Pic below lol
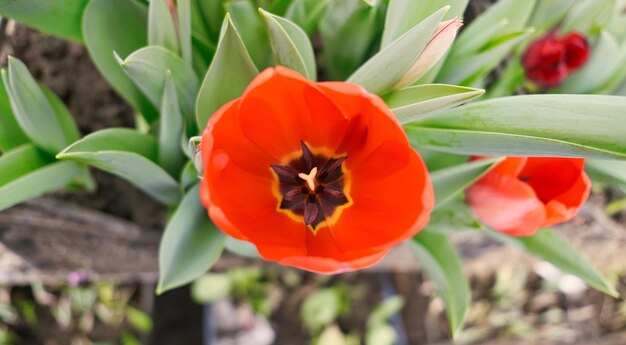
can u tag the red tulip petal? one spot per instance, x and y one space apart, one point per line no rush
371 121
392 197
250 204
267 115
506 204
576 50
551 177
331 266
223 128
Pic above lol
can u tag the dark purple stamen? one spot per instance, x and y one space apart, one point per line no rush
317 205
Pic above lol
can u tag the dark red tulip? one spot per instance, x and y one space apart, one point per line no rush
550 59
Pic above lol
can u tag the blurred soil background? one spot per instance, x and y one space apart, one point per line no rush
516 300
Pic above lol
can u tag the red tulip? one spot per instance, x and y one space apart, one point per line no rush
319 176
521 195
550 59
576 50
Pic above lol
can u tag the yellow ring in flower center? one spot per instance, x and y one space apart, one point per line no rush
338 209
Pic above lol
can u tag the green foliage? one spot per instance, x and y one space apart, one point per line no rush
349 32
440 261
380 73
161 28
450 182
149 67
190 245
57 17
230 73
118 26
129 155
171 130
49 126
581 125
291 45
415 102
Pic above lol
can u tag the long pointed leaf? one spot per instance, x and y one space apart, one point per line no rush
161 27
129 155
402 15
148 68
384 69
589 126
118 26
39 182
172 124
449 182
228 76
190 245
291 45
50 127
412 103
11 134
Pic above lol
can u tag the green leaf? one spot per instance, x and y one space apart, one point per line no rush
59 18
291 45
384 69
587 15
129 155
412 103
11 135
450 182
402 15
306 13
613 172
349 31
189 176
513 15
537 125
190 245
249 25
148 68
120 26
549 246
548 13
49 126
228 76
171 157
161 27
68 125
38 182
464 70
440 260
183 8
241 248
452 218
21 161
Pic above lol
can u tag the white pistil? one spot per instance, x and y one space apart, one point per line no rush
310 178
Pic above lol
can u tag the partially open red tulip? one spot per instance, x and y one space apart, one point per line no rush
521 195
549 60
316 175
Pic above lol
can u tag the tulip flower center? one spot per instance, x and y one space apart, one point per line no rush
312 187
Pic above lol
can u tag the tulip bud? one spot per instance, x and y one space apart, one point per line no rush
435 49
